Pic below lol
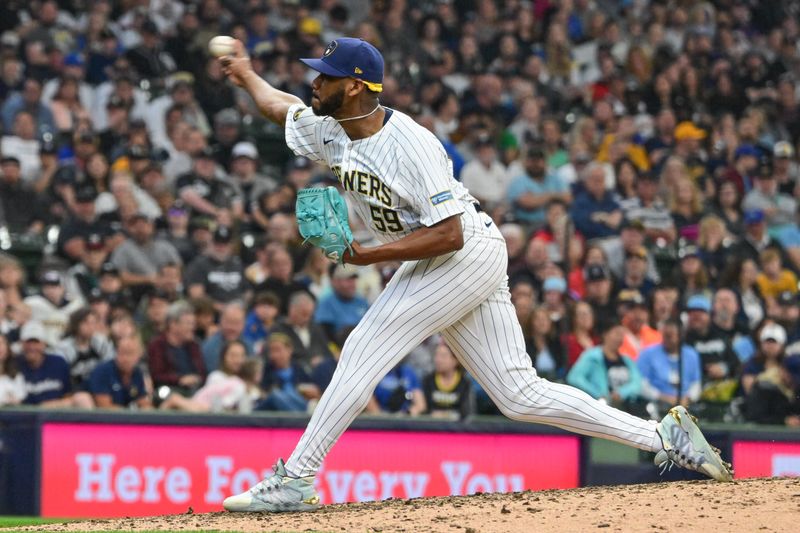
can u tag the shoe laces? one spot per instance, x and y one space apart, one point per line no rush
268 484
682 453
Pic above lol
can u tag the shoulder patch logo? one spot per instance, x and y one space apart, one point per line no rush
330 48
441 197
298 113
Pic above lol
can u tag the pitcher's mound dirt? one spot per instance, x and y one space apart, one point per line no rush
745 505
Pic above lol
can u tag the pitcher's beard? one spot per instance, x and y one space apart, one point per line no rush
330 106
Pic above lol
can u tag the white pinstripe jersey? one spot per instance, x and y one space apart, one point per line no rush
399 179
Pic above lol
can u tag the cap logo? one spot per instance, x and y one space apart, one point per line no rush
358 71
329 50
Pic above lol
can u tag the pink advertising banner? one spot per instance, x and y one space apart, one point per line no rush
766 459
94 470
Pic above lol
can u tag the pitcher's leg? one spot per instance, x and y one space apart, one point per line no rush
490 345
411 309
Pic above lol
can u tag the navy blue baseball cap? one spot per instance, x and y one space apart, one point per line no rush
348 57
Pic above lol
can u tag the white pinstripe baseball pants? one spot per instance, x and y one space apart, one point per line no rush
463 295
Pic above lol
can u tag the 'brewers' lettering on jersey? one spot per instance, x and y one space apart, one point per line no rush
398 179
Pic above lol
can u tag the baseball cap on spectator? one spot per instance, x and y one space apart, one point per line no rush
299 163
640 252
753 216
9 39
773 332
138 151
554 283
689 250
66 174
310 26
48 146
9 159
97 295
180 79
630 297
745 150
536 152
140 215
483 139
344 272
783 150
205 153
699 302
595 272
85 194
788 299
148 26
51 277
32 331
109 268
223 235
227 117
764 170
633 224
687 130
245 149
94 241
74 60
137 124
115 102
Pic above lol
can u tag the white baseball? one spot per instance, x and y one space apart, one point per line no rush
221 45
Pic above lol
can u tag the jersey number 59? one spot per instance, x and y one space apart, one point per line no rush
385 220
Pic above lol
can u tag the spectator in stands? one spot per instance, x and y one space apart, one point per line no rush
309 340
719 363
690 276
85 275
23 145
155 306
713 245
778 208
12 382
224 390
582 335
542 345
208 194
597 293
279 281
120 383
28 100
261 320
485 174
755 239
530 193
649 209
770 354
245 175
631 241
288 387
774 278
83 346
83 222
142 254
670 370
634 318
447 391
523 296
174 357
47 378
634 275
51 307
218 273
315 274
399 392
605 373
728 207
20 210
554 301
772 392
343 306
595 212
787 314
231 329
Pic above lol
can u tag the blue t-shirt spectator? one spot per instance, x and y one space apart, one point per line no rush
661 370
334 312
585 210
598 377
51 381
525 184
393 392
106 379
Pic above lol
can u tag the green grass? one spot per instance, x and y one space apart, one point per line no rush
7 522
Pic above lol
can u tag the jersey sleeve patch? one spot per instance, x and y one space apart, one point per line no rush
298 113
441 197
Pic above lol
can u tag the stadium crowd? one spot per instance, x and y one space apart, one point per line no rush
639 156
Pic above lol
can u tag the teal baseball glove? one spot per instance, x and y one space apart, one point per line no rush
322 221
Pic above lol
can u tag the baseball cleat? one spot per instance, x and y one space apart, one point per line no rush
685 445
275 494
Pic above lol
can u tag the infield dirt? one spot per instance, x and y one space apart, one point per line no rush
743 505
